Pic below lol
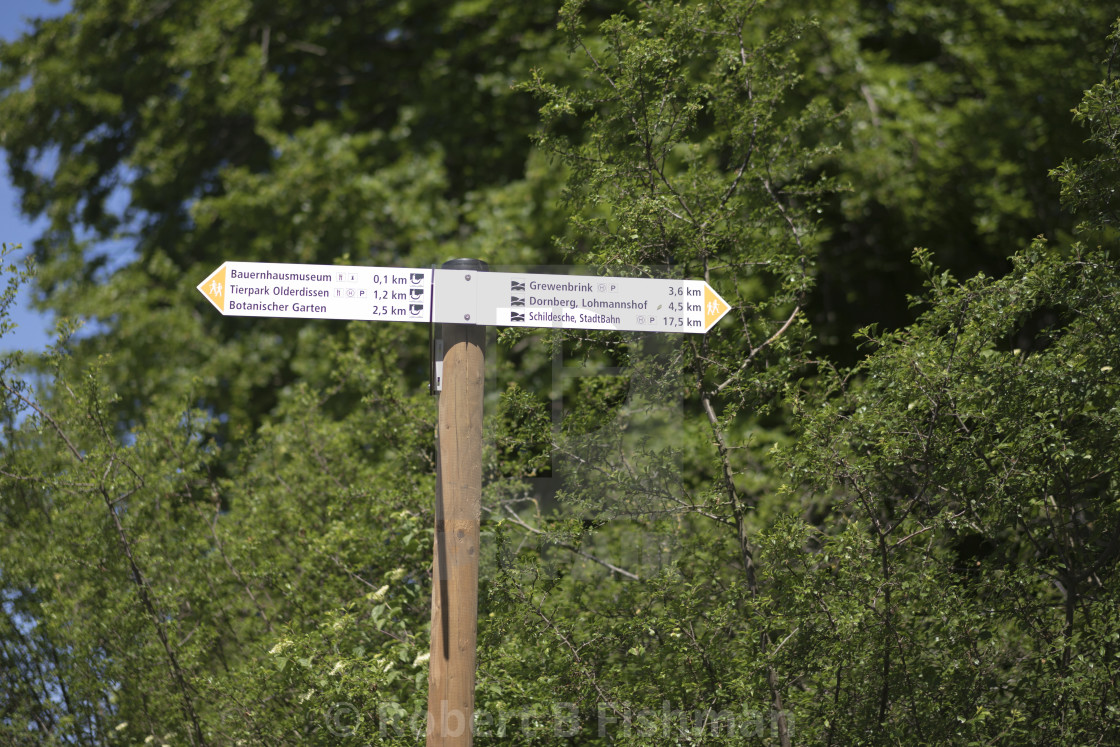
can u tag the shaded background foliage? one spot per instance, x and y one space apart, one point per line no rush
219 529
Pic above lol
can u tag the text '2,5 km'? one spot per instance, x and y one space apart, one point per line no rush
502 299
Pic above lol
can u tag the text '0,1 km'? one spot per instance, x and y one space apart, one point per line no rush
500 299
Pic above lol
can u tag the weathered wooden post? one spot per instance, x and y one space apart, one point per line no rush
451 672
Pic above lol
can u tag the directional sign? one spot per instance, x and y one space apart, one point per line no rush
502 299
390 294
508 299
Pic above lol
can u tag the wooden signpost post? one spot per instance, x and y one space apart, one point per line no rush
451 666
464 298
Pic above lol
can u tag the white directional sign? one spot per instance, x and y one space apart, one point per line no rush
390 294
502 299
507 299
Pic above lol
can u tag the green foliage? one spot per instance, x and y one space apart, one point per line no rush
970 549
1088 187
957 110
236 130
219 531
973 471
687 160
158 612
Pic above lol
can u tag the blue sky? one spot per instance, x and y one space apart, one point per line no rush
33 330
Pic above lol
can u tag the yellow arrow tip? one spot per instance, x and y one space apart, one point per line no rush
714 307
214 288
